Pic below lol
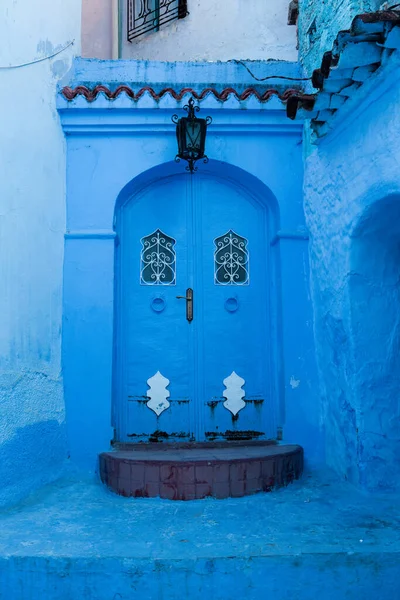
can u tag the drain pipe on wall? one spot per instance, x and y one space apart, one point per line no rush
115 54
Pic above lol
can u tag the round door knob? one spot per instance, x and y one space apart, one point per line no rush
158 303
232 304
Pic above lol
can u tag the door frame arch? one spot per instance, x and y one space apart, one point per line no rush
257 192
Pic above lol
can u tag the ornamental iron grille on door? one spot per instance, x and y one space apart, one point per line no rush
145 16
231 260
158 259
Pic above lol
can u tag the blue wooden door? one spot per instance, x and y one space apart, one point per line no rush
233 321
208 378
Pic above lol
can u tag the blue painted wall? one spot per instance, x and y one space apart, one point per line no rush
33 447
352 206
320 22
108 146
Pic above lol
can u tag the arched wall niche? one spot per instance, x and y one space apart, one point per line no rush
258 193
374 295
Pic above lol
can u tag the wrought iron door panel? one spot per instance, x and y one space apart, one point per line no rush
231 260
158 259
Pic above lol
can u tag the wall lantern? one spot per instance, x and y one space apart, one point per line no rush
191 135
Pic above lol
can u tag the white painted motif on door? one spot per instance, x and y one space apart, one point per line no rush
234 393
158 393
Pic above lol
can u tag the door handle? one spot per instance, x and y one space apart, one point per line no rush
189 304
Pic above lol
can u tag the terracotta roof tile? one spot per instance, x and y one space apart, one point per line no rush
91 93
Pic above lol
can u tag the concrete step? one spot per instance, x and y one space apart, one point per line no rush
319 538
198 471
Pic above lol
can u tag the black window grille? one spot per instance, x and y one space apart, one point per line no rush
293 12
145 16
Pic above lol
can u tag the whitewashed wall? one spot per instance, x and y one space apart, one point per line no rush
215 30
32 224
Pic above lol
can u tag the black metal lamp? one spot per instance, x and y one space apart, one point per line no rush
191 135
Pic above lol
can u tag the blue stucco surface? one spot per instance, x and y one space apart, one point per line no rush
320 22
352 211
33 449
33 441
316 538
159 74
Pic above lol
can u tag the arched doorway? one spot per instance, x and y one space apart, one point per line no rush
196 314
375 334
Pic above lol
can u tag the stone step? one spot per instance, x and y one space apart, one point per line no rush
192 473
319 539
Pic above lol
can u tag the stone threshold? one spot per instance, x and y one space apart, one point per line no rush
199 471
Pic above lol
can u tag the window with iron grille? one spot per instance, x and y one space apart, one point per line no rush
145 16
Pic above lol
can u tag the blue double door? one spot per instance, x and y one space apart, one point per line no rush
193 348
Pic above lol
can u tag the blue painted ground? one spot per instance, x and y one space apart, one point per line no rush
317 538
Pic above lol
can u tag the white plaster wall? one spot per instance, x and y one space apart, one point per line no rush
97 28
32 224
214 30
